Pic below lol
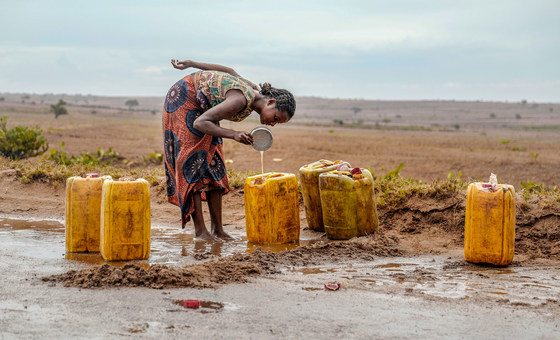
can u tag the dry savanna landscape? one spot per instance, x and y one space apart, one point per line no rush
423 154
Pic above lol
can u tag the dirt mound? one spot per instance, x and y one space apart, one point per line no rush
537 231
233 269
432 225
159 276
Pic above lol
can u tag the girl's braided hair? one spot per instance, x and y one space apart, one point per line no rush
285 101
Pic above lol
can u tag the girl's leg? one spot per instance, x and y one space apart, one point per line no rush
200 231
214 198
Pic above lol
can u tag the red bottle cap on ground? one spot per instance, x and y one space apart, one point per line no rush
191 303
92 175
332 285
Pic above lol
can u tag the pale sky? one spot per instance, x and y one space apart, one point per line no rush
493 50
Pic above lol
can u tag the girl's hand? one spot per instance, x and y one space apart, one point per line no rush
243 137
181 65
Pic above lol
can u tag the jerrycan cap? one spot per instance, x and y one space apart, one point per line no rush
262 138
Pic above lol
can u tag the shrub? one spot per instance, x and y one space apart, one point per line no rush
21 141
154 157
101 157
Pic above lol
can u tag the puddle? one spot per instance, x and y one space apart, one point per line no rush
488 270
389 265
45 239
205 306
309 271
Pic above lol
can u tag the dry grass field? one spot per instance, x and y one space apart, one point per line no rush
520 142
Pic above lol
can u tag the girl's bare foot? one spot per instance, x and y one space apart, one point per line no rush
223 235
206 236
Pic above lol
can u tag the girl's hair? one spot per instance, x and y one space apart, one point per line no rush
285 101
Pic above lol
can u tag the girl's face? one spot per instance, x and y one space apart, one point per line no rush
270 114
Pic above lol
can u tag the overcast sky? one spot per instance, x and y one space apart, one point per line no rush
465 50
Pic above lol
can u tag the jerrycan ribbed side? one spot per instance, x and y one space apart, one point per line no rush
348 204
490 225
309 181
82 213
125 220
271 208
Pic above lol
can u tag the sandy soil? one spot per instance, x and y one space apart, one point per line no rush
411 270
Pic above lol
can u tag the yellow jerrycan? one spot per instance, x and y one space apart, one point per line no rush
490 224
348 204
82 212
125 220
309 181
271 208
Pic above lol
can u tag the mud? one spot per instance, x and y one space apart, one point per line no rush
408 272
427 226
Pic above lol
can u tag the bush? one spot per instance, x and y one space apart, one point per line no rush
101 157
21 141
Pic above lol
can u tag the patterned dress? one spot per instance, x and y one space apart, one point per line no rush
194 161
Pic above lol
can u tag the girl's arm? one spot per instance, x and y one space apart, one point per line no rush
207 123
181 65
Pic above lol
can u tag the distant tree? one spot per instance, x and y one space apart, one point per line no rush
356 109
524 102
517 116
131 103
549 109
457 126
492 115
23 98
386 120
59 108
2 99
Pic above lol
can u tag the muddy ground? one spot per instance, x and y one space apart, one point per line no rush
410 280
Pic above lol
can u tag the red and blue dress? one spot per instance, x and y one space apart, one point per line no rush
194 161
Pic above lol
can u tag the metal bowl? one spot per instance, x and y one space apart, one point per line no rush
262 138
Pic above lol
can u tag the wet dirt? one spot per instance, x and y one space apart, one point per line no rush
412 269
279 290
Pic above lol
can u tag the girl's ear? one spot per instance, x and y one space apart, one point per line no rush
271 102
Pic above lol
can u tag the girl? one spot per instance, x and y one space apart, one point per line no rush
194 161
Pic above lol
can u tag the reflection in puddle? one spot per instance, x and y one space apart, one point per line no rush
488 269
45 239
277 248
308 271
97 259
205 306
